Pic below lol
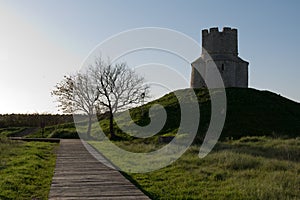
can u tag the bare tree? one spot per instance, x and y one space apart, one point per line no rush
102 86
119 88
77 94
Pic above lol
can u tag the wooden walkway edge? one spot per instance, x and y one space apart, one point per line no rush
78 175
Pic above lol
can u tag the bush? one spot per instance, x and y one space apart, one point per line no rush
64 134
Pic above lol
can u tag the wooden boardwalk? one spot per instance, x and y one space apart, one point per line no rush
78 175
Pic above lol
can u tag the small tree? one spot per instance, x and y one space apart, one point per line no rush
119 87
102 86
77 94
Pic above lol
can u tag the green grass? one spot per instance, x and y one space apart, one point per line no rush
257 156
10 130
249 168
250 112
65 131
239 167
26 169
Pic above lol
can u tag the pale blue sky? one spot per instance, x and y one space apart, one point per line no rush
40 41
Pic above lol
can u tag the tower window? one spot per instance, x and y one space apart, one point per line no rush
222 67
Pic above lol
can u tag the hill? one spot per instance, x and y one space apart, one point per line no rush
250 112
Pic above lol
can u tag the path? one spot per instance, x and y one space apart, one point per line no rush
78 175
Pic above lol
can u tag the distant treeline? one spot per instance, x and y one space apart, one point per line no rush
33 120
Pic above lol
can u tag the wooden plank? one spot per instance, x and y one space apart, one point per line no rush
79 175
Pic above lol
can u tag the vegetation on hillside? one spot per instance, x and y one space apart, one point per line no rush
250 112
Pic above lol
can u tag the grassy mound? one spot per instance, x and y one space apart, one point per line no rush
250 112
253 112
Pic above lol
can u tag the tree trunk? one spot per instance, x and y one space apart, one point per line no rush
89 127
111 125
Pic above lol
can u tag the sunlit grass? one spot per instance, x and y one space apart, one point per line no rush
249 168
26 169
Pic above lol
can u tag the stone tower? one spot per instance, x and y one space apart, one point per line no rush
220 48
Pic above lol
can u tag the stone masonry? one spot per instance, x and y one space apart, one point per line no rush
220 48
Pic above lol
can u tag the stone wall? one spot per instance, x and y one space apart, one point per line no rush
221 49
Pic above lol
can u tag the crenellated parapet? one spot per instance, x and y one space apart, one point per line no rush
220 42
221 47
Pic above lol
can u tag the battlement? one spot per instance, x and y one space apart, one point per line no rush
213 30
220 42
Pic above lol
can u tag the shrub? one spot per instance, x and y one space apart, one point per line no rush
64 133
